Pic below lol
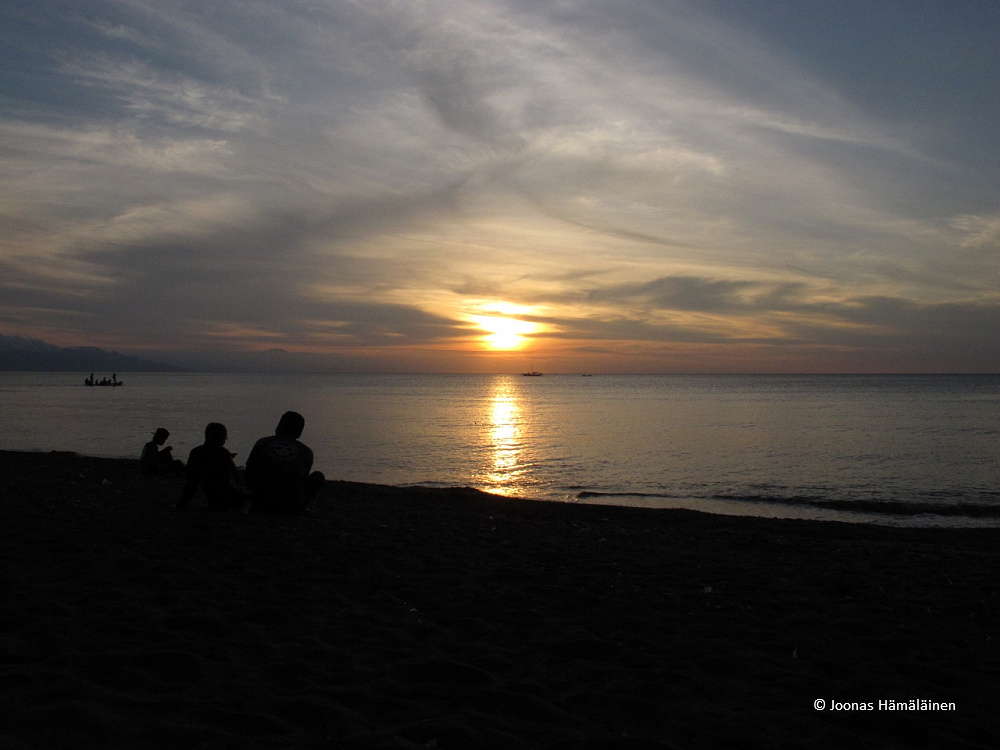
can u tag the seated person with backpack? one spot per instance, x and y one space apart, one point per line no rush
279 469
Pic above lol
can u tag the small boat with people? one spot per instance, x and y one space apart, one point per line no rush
103 382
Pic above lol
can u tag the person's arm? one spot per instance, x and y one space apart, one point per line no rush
235 481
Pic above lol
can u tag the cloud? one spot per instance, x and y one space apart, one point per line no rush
117 148
682 293
978 231
171 98
784 314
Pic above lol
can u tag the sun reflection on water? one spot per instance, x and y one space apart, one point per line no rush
504 419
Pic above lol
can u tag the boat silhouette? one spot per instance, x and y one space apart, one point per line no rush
92 382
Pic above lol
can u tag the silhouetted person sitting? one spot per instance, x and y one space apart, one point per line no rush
210 466
157 460
278 469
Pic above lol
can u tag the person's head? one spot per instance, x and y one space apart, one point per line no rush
216 434
290 425
160 436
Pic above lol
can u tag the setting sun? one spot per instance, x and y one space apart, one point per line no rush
504 333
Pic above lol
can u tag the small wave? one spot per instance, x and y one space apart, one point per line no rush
880 507
591 493
875 507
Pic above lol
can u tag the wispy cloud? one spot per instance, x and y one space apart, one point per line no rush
173 99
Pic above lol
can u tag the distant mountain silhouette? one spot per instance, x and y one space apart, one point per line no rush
17 353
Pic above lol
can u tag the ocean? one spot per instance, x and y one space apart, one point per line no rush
899 450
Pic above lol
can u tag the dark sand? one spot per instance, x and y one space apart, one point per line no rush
400 618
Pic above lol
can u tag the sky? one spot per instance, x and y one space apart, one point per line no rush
504 185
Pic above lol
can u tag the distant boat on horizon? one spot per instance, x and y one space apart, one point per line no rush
531 374
104 382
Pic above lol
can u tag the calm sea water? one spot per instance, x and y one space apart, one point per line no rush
892 449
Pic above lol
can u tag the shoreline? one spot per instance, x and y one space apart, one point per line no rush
889 513
396 617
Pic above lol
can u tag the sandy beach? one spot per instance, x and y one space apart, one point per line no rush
416 618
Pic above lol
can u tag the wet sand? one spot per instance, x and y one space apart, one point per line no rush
415 618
